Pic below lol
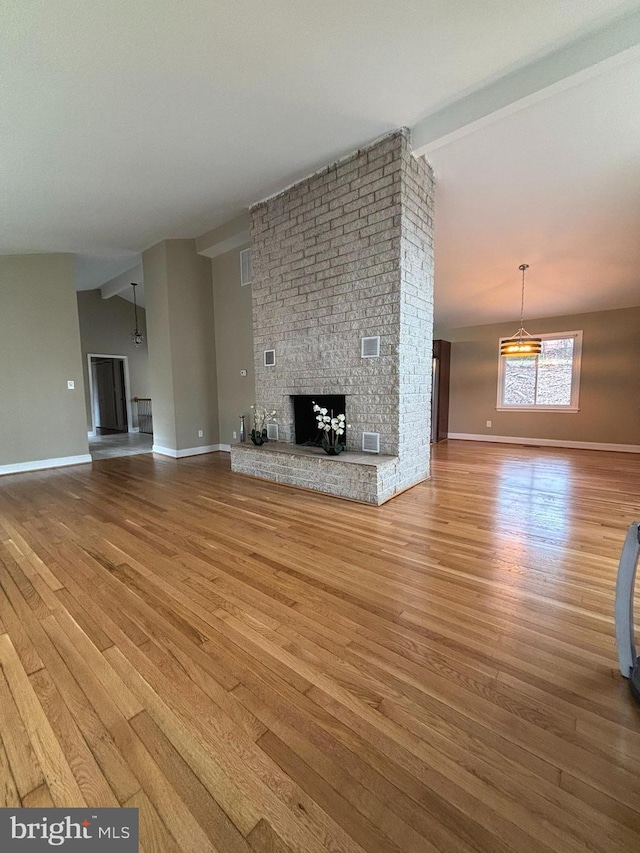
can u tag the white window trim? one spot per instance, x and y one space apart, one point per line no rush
575 377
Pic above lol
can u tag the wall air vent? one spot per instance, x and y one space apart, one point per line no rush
246 270
269 357
371 442
370 347
272 432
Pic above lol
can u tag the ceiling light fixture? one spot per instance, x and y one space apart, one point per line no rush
521 343
136 336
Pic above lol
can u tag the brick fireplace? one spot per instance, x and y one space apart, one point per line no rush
344 255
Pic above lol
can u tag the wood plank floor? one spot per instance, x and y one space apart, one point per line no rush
260 669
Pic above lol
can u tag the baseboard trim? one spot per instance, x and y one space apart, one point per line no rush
188 451
43 464
134 429
225 447
546 442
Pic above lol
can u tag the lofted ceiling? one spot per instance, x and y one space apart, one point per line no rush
127 123
557 186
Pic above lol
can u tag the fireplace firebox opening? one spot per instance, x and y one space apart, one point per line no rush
304 418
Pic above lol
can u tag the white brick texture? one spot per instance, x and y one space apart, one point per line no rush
344 254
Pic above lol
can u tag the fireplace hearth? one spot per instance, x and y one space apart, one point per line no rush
305 423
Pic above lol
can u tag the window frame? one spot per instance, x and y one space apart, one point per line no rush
573 407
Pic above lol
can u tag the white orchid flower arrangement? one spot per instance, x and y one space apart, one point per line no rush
262 417
332 427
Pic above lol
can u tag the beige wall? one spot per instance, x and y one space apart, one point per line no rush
234 345
193 344
154 262
105 328
609 387
40 418
182 364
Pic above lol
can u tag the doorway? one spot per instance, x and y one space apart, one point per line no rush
109 394
112 430
440 368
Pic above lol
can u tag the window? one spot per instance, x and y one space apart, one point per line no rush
550 382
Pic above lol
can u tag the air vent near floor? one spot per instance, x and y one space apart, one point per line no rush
246 270
370 347
371 442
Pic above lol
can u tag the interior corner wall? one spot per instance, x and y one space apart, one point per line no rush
105 328
181 340
234 345
154 262
609 382
40 419
192 345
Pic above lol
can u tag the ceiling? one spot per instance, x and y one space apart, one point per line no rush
557 186
127 123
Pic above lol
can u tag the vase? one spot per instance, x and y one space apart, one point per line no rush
265 436
243 435
256 437
331 449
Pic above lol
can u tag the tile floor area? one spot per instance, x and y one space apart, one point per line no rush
119 444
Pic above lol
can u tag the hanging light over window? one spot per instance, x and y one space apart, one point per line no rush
136 336
521 343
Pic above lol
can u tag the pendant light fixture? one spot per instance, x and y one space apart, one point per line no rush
521 343
136 336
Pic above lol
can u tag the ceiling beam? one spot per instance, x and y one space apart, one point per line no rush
229 236
581 59
122 282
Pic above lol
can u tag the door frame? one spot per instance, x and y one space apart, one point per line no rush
127 390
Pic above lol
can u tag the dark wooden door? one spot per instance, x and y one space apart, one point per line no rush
440 401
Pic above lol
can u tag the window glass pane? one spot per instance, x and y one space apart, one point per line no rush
519 382
555 364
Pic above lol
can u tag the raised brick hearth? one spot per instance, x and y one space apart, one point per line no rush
360 477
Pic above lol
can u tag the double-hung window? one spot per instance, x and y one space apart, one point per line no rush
549 382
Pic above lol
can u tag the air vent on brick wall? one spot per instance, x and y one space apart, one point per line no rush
371 442
272 432
370 347
269 357
246 270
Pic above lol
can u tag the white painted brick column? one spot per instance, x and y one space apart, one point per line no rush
344 254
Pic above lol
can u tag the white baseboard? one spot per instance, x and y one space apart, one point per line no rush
546 442
92 434
189 451
42 464
225 447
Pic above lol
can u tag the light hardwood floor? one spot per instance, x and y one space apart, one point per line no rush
262 669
